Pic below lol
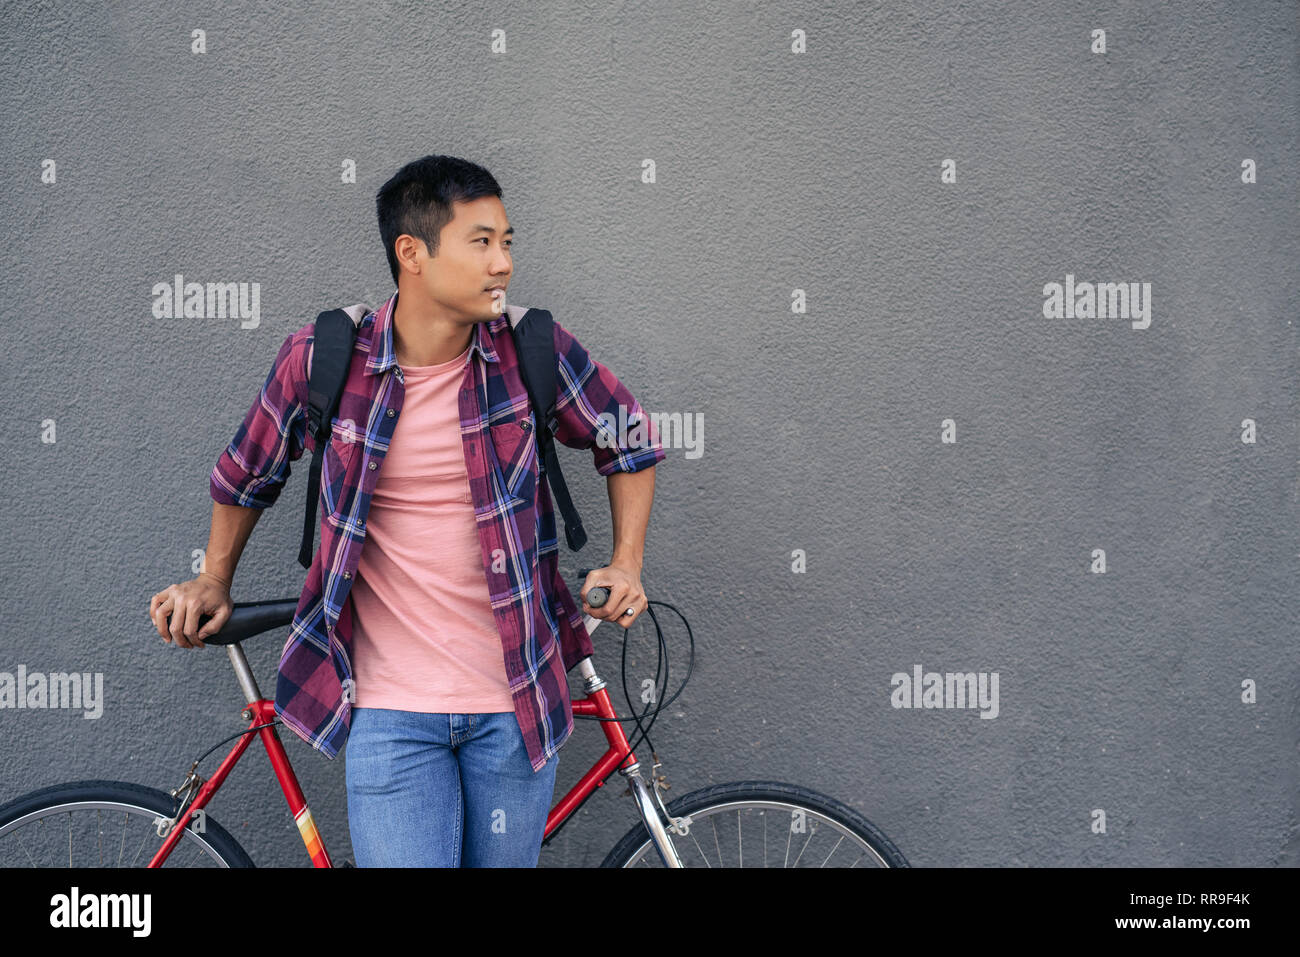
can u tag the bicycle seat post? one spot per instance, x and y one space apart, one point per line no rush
242 672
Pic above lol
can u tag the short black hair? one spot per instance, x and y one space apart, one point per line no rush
417 199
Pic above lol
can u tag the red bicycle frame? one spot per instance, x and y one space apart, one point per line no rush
262 712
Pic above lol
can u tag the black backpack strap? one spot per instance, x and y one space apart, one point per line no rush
534 337
335 333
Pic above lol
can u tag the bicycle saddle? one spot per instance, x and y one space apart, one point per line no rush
251 618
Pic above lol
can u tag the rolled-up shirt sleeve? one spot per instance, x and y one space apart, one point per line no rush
588 402
255 465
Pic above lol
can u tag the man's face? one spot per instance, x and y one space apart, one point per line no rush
473 255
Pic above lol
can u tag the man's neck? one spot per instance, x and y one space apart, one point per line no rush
421 338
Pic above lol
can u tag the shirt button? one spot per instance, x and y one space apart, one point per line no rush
372 466
524 424
347 574
391 413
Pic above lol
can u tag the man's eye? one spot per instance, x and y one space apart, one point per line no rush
509 242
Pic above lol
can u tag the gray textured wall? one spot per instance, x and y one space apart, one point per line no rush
777 171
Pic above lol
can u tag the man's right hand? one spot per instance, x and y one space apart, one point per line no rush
185 603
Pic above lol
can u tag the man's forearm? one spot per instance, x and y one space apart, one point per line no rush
231 526
630 497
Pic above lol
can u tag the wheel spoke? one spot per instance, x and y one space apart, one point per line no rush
704 856
122 849
17 838
143 837
763 815
837 844
805 846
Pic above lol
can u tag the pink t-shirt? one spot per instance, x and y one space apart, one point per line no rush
424 638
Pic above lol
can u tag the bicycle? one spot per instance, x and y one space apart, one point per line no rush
37 827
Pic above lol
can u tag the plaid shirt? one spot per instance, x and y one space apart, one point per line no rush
542 634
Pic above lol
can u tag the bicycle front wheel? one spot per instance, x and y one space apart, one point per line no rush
106 824
762 824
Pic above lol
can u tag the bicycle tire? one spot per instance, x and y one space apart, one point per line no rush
636 842
122 796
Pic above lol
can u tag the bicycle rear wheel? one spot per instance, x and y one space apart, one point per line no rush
762 824
106 824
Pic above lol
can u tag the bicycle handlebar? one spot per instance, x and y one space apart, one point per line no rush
597 595
253 618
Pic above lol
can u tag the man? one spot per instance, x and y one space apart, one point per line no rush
434 632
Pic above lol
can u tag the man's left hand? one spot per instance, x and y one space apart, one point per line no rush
625 592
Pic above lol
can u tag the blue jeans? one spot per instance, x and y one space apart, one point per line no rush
444 790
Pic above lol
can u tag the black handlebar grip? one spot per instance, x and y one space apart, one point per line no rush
597 595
